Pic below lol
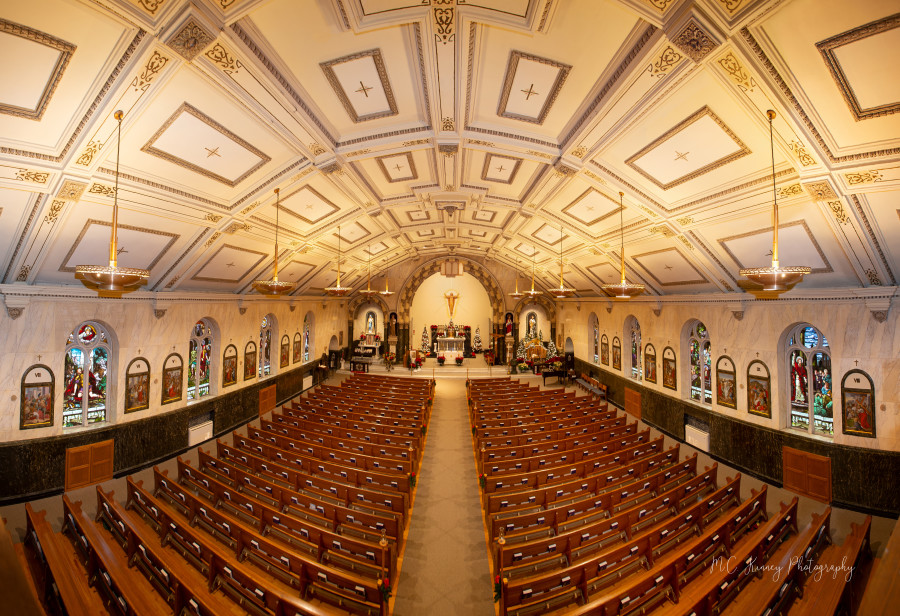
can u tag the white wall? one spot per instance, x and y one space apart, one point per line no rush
429 307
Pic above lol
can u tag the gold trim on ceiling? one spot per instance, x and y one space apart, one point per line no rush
511 67
487 163
649 271
409 159
566 209
190 109
246 273
286 210
65 50
375 54
90 221
821 270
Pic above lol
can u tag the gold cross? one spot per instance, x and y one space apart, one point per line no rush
681 155
214 152
529 92
398 167
500 169
363 89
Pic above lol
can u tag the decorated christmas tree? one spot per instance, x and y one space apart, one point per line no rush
426 340
520 350
476 342
552 350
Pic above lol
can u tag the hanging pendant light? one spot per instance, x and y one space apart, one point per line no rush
111 280
337 290
770 282
386 291
562 292
532 293
517 294
369 292
274 286
622 289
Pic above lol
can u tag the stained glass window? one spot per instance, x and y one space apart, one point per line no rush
701 364
306 338
199 360
810 386
635 350
265 347
595 344
86 376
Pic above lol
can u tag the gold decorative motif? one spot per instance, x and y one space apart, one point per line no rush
15 313
820 191
540 154
443 25
172 282
579 152
449 187
220 56
562 71
191 40
791 190
102 189
648 211
731 5
447 123
213 217
356 153
88 155
331 168
486 144
225 3
235 227
659 4
802 153
151 70
55 208
212 239
159 313
595 177
872 275
23 273
416 142
71 190
837 208
376 57
151 5
863 177
249 207
28 175
686 242
667 60
448 149
685 220
316 149
736 71
65 51
663 230
694 41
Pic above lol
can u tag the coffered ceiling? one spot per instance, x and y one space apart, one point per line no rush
497 130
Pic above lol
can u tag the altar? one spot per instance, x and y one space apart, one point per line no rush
450 347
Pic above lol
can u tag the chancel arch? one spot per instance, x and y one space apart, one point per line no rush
476 270
450 304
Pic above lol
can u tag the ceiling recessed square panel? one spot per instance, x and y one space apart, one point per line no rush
418 215
549 235
294 271
39 63
376 249
361 83
501 169
425 233
606 273
137 247
860 80
590 207
229 264
484 215
697 145
193 140
353 233
526 249
796 246
308 205
398 167
668 267
530 87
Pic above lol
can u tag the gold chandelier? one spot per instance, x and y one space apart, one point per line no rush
770 282
337 290
532 293
274 286
562 292
386 291
369 292
111 280
622 289
517 294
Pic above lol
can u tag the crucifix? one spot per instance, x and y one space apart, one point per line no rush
451 297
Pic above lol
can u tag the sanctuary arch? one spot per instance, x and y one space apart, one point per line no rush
476 270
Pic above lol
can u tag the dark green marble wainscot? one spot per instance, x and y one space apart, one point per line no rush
862 479
36 468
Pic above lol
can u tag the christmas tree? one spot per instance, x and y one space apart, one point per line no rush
551 350
426 340
476 342
520 351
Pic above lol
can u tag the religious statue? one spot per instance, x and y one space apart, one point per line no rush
532 326
370 323
509 325
451 297
392 328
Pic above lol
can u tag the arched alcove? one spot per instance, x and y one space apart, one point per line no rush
474 269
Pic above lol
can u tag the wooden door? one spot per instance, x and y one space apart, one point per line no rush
266 399
89 464
633 402
806 473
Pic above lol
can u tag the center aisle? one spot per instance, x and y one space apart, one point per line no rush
445 564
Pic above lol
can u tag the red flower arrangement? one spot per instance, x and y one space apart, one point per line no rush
459 360
412 479
433 327
384 585
498 589
482 480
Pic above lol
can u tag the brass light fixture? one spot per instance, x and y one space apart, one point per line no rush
770 282
622 289
274 286
386 291
532 293
337 290
562 292
517 294
111 280
369 292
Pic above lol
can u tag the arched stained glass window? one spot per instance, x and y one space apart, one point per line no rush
594 326
87 360
810 381
265 346
199 360
635 335
701 364
306 338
